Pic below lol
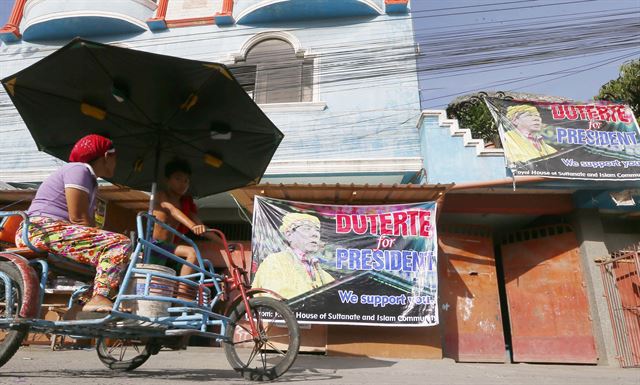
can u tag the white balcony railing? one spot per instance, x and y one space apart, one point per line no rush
55 19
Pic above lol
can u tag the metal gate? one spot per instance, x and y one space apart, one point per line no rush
469 298
548 308
620 275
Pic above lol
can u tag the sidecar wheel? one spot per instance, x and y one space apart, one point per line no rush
124 354
13 338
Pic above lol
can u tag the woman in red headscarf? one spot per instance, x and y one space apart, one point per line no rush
62 218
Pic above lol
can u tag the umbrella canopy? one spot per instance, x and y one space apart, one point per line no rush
154 108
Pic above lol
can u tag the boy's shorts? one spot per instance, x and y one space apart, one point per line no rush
158 259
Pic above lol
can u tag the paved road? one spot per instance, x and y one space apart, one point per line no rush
38 365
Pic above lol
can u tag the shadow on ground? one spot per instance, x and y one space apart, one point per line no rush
341 362
306 368
320 368
210 375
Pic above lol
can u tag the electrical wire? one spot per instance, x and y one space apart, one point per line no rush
449 51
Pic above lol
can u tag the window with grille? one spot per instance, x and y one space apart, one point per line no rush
272 73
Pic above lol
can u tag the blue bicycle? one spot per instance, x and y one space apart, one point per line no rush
154 309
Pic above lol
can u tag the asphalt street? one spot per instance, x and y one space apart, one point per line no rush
39 365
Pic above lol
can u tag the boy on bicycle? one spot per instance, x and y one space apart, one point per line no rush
177 209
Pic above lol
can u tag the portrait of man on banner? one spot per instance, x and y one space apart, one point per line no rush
295 269
524 140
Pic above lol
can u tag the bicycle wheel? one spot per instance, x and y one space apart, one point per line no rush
10 342
270 354
124 354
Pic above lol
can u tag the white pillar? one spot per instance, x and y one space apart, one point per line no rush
591 238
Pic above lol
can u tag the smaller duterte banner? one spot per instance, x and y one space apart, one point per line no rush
350 265
568 141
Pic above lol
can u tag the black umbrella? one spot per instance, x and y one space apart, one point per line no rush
154 108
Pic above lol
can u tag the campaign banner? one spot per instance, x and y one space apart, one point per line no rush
349 265
568 141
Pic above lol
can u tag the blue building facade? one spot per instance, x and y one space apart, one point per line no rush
353 118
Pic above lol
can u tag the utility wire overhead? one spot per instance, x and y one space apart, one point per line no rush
455 50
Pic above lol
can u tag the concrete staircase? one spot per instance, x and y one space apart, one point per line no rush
464 133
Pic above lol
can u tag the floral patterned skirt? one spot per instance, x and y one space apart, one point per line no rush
106 251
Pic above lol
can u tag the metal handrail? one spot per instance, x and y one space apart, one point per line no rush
26 223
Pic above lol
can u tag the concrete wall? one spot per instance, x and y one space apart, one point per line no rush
617 241
36 9
620 233
187 9
52 19
242 5
261 11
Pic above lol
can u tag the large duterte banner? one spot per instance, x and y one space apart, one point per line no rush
351 265
569 141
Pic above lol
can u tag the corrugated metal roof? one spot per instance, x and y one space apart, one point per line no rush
341 193
122 196
125 197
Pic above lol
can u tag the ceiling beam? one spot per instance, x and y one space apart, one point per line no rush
521 204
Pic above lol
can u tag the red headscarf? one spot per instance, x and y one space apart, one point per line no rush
90 148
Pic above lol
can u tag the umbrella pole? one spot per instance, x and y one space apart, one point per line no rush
154 184
149 228
152 202
152 198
